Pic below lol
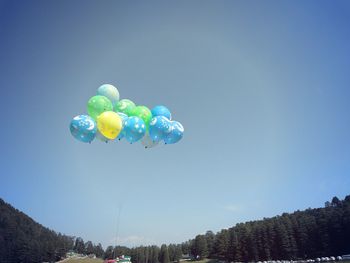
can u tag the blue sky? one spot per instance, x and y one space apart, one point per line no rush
261 87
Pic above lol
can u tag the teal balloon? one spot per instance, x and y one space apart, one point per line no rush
124 117
159 128
176 134
83 128
161 110
134 129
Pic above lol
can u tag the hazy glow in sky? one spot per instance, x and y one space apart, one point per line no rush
261 87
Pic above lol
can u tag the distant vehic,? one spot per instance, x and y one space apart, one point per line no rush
121 259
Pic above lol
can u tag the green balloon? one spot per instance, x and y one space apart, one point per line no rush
125 106
97 105
144 113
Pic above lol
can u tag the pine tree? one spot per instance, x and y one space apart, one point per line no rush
185 247
335 201
89 248
210 238
147 254
252 243
164 254
232 247
178 253
154 257
266 241
221 244
79 245
98 251
171 249
200 248
108 253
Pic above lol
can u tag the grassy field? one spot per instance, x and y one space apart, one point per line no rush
101 261
206 260
86 260
217 261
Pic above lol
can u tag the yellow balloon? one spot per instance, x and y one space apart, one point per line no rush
109 124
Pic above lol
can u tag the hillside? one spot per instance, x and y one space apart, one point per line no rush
300 235
311 233
24 240
308 234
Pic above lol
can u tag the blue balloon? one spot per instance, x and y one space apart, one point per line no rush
134 129
176 134
124 117
161 111
83 128
159 128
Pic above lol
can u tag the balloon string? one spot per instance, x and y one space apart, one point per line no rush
117 231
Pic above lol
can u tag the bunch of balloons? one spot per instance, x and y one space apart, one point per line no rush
110 118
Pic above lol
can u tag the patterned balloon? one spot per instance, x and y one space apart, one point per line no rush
98 104
83 128
161 111
124 117
148 142
110 92
134 129
109 124
144 113
125 106
176 134
159 127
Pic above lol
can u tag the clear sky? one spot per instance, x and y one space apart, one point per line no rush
261 87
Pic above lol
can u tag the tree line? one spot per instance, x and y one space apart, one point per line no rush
300 235
148 254
24 240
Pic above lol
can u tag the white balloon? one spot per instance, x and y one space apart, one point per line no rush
110 92
148 142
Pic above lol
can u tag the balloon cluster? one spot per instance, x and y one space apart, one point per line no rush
110 118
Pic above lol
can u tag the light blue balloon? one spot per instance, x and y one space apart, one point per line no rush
159 128
124 117
110 92
134 129
176 134
83 128
161 111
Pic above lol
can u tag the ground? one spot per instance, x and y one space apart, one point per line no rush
217 261
86 260
205 260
